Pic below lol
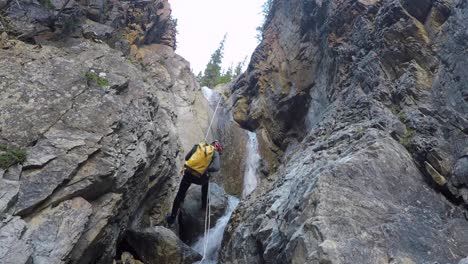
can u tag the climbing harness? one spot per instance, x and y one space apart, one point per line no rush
208 209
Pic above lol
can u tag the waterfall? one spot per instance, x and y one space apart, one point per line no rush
215 235
251 165
211 96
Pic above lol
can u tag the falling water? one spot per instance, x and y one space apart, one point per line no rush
211 96
215 235
251 165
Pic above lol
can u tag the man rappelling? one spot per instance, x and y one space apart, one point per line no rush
200 161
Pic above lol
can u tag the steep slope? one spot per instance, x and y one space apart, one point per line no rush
102 147
101 137
104 109
362 111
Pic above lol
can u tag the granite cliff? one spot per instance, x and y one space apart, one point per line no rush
362 111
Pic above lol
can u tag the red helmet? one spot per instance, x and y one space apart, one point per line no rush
217 146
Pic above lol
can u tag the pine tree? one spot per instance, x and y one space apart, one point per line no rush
238 69
213 74
225 77
213 68
199 76
266 9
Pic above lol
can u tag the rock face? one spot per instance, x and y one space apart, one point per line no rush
97 140
98 129
94 95
362 108
13 248
119 23
184 100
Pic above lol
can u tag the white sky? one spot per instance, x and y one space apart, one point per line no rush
203 23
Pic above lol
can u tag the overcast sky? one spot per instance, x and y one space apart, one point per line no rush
203 23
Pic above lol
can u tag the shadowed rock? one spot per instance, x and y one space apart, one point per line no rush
160 245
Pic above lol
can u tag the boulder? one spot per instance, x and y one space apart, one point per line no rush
160 245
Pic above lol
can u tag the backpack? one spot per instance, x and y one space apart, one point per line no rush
200 159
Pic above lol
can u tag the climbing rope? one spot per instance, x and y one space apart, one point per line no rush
212 118
208 209
207 226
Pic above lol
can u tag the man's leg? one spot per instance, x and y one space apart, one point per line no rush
183 187
204 190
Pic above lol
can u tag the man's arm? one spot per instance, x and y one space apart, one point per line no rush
215 164
187 157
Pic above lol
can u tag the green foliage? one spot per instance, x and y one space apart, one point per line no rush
91 76
266 9
239 67
224 78
199 77
406 138
213 74
47 4
11 156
